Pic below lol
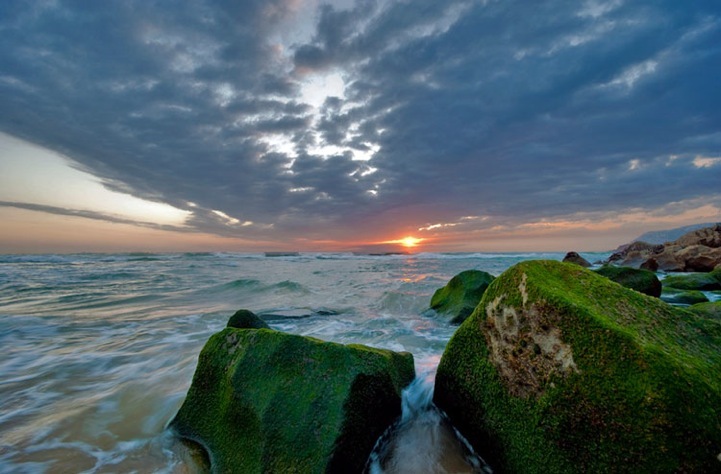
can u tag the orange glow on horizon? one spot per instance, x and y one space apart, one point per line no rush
409 241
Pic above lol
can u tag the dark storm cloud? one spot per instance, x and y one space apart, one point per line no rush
494 108
538 111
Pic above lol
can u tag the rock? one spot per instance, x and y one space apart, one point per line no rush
640 280
265 401
573 257
651 265
699 258
668 261
708 237
695 251
461 294
244 319
684 297
695 281
561 370
708 309
634 252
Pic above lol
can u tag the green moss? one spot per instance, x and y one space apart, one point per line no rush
640 280
686 297
265 401
695 281
460 296
708 309
608 380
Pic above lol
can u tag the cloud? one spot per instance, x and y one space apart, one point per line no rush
94 215
508 110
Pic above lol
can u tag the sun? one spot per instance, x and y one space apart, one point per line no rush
410 241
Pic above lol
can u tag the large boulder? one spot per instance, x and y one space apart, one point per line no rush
559 370
695 281
699 258
265 401
459 297
640 280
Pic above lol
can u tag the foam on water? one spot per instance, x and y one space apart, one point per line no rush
423 441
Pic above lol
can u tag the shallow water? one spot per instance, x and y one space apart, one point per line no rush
99 350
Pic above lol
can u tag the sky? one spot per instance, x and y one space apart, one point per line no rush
303 125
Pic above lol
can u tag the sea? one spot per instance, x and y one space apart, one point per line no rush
97 351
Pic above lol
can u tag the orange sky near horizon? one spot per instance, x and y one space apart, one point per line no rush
27 231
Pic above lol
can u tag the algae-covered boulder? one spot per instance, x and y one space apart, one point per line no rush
687 297
708 309
559 370
695 281
640 280
265 401
461 294
245 319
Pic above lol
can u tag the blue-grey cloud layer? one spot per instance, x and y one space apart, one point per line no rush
511 109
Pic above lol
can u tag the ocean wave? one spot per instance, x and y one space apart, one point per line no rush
289 286
286 286
241 283
39 258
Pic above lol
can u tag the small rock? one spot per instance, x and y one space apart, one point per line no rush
651 265
573 257
461 294
244 319
640 280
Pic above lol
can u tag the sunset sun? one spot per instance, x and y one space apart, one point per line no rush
410 242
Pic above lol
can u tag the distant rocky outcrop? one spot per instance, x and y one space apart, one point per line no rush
696 251
459 297
669 235
560 370
265 401
574 257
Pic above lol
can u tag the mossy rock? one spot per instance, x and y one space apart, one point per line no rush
695 281
689 297
559 370
265 401
245 319
708 309
640 280
461 294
